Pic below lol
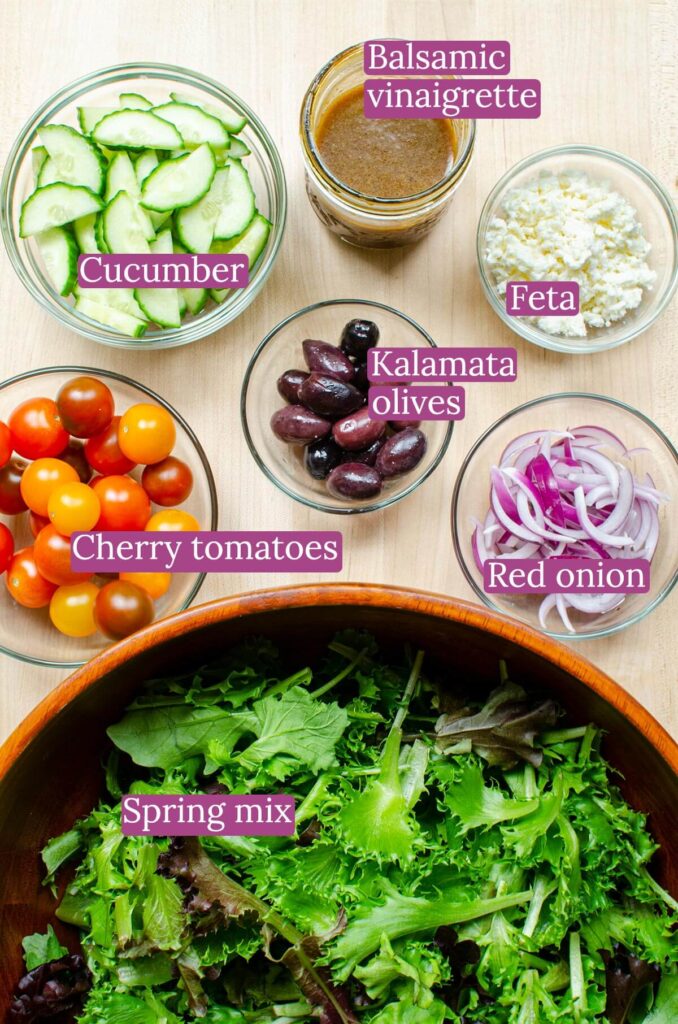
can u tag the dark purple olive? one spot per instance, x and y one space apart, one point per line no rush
289 384
357 430
360 380
357 337
368 456
328 396
327 359
321 457
401 452
354 480
403 424
298 425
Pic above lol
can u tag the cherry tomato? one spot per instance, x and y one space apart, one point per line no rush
73 507
74 455
168 482
172 520
5 443
25 583
11 501
7 549
124 503
52 554
154 583
122 608
146 433
85 405
42 477
37 430
37 523
104 453
72 609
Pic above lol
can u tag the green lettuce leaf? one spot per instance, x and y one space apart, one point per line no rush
41 949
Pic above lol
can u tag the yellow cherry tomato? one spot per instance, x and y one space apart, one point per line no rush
146 433
72 609
172 520
154 583
41 478
73 507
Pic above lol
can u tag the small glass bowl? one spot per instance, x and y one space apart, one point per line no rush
101 88
27 634
281 350
657 216
470 502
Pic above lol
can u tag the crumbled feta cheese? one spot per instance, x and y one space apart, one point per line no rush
569 228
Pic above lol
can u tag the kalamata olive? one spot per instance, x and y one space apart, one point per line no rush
321 457
354 480
403 424
357 430
328 396
360 380
289 383
401 452
298 425
327 359
368 456
357 337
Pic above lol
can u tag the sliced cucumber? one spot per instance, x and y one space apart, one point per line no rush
60 255
182 302
76 161
251 243
89 117
161 305
231 121
181 182
55 205
99 232
238 206
195 299
136 129
38 157
194 125
122 178
109 317
134 101
85 234
144 164
122 229
121 299
237 149
194 225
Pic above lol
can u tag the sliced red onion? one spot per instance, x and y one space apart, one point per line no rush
620 512
542 476
545 607
601 463
600 436
594 604
561 605
503 495
595 532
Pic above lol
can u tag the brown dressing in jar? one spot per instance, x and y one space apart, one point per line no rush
390 158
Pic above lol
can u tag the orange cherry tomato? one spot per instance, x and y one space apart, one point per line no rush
86 406
37 523
172 520
146 433
7 549
103 452
124 503
37 430
154 583
26 585
72 609
42 477
121 609
73 507
5 444
52 554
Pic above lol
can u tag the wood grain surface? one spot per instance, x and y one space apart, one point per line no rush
608 69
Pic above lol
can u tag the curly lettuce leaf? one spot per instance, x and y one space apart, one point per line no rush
476 804
42 949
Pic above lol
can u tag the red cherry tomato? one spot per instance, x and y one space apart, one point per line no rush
86 406
25 583
6 547
121 609
124 503
74 455
11 501
42 477
37 523
52 554
168 482
104 453
5 444
37 430
147 433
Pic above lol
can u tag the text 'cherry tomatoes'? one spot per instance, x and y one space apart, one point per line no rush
104 453
124 503
121 609
11 501
86 406
7 548
5 444
37 430
173 520
73 507
72 609
168 482
25 583
52 553
42 477
154 583
146 433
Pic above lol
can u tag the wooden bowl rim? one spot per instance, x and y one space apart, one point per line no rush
331 595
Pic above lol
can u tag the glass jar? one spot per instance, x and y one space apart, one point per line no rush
366 220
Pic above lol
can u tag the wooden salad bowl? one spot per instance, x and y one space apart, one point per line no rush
51 767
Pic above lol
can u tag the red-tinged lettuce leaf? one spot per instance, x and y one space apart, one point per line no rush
50 990
316 983
625 976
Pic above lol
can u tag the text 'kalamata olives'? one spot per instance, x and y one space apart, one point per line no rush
401 453
321 457
328 359
354 480
357 337
358 430
328 396
289 383
298 425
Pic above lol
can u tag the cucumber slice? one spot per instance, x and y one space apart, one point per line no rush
161 305
195 299
121 299
75 160
194 225
181 182
85 234
122 229
99 232
89 117
238 206
55 205
136 129
134 101
60 256
194 125
231 121
251 243
121 177
182 302
237 150
109 317
38 157
144 164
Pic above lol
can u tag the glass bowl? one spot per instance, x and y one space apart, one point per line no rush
656 213
470 502
101 88
28 634
281 350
